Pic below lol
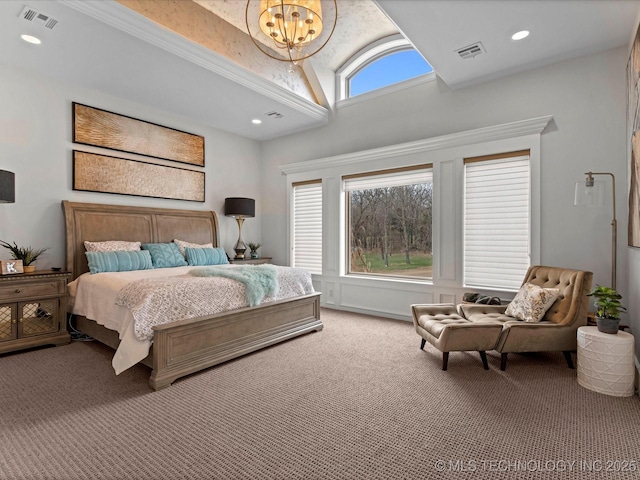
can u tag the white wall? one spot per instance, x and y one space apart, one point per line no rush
36 144
585 96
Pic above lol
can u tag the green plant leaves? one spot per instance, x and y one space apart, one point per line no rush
28 255
607 302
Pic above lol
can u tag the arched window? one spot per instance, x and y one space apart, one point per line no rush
389 61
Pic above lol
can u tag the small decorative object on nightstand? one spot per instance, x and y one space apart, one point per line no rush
254 249
33 309
249 261
28 255
10 267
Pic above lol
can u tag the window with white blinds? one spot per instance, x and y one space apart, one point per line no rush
307 226
497 220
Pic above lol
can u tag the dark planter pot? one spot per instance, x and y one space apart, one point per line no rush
608 325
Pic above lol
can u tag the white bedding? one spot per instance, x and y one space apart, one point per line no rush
94 297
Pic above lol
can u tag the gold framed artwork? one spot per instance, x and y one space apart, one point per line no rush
102 173
101 128
633 127
11 266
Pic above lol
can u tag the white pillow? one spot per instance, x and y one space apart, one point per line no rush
111 246
182 245
532 302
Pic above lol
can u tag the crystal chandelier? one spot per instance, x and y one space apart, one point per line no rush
296 29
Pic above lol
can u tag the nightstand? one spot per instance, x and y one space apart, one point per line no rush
33 308
251 261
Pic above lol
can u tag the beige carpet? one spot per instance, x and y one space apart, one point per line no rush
358 400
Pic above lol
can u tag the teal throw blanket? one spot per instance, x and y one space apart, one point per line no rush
259 280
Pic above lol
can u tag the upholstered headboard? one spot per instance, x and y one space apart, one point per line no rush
97 222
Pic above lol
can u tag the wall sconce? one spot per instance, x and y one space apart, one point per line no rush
590 193
239 208
7 187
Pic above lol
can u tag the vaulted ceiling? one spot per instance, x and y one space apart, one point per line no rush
124 48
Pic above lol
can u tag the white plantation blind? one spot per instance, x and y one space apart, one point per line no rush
389 178
307 226
497 220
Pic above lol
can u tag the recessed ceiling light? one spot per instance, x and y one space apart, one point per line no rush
31 39
520 35
256 121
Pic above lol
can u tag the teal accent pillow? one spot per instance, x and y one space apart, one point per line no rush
206 256
165 255
119 261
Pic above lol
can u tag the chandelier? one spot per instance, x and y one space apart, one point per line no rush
290 30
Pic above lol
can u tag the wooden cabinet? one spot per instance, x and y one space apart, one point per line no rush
251 261
33 309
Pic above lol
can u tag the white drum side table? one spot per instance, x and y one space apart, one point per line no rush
605 361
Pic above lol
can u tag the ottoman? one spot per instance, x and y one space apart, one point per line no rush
442 326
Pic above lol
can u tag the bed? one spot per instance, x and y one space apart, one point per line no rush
189 345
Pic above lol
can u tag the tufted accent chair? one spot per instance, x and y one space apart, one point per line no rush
558 329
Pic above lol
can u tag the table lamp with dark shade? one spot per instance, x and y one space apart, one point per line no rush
7 187
239 208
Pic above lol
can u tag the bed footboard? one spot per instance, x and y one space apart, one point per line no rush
184 347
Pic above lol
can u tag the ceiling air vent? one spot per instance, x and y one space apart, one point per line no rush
33 16
471 50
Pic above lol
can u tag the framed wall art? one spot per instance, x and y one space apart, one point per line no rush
633 127
101 173
101 128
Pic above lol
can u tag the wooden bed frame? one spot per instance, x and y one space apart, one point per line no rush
186 346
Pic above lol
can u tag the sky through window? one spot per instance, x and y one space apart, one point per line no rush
388 70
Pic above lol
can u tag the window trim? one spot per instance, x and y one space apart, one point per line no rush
447 152
347 220
356 161
369 54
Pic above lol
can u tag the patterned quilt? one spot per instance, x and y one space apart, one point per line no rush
155 301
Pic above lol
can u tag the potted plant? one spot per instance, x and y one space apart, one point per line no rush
254 249
28 255
608 308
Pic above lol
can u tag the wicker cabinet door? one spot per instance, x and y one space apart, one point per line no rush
37 317
8 324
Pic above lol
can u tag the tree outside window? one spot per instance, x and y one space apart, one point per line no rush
391 226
